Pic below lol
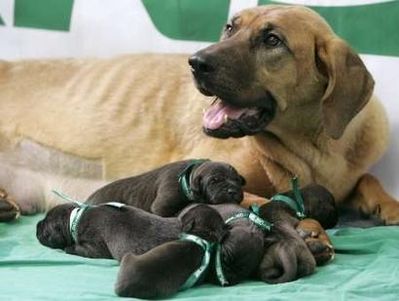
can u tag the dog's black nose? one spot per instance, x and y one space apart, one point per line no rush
199 64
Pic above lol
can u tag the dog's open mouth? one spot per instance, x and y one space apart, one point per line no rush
223 120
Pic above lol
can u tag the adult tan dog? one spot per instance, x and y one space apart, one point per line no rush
298 96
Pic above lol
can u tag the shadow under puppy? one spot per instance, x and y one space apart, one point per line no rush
168 189
108 231
289 254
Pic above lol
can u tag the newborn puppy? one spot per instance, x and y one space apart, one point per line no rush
168 189
109 232
320 208
165 269
288 241
241 251
319 204
287 257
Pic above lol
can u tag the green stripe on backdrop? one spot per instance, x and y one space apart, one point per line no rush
1 21
372 28
189 20
43 14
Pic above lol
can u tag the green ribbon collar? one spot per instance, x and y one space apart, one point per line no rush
184 179
207 247
295 203
77 212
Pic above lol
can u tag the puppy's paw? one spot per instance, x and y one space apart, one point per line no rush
317 240
9 209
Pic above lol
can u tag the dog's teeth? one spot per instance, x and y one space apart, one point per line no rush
226 118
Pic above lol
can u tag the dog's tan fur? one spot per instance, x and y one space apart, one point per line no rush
133 113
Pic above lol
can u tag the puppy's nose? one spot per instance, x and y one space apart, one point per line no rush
200 64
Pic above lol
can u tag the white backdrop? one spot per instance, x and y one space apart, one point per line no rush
108 27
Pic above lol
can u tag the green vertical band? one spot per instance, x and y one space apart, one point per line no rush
43 14
189 20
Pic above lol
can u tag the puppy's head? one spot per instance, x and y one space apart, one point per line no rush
217 182
203 221
241 254
53 230
319 204
283 68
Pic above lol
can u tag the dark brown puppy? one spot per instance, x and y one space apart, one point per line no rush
168 189
285 245
109 232
165 269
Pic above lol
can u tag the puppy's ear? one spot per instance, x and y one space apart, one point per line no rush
243 181
349 88
195 184
188 225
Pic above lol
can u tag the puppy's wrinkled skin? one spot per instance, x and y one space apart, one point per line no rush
242 249
281 75
158 191
322 213
287 257
163 270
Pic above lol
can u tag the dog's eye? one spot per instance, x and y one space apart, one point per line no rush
271 40
228 28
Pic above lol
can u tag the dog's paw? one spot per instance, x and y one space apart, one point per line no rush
317 240
9 209
388 213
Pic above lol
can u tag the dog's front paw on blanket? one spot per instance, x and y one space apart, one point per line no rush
9 210
317 240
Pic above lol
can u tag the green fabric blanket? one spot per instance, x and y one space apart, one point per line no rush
366 267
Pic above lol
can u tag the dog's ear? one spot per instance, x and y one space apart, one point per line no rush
349 88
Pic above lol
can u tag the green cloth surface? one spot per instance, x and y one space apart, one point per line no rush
366 267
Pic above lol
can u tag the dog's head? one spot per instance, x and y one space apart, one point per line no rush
217 183
280 68
203 221
53 230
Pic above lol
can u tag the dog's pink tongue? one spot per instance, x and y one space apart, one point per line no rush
214 116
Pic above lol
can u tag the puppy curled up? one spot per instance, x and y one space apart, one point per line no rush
168 189
174 265
289 253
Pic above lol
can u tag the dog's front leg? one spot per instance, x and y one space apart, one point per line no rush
370 198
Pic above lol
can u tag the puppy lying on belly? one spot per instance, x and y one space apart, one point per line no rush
168 189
